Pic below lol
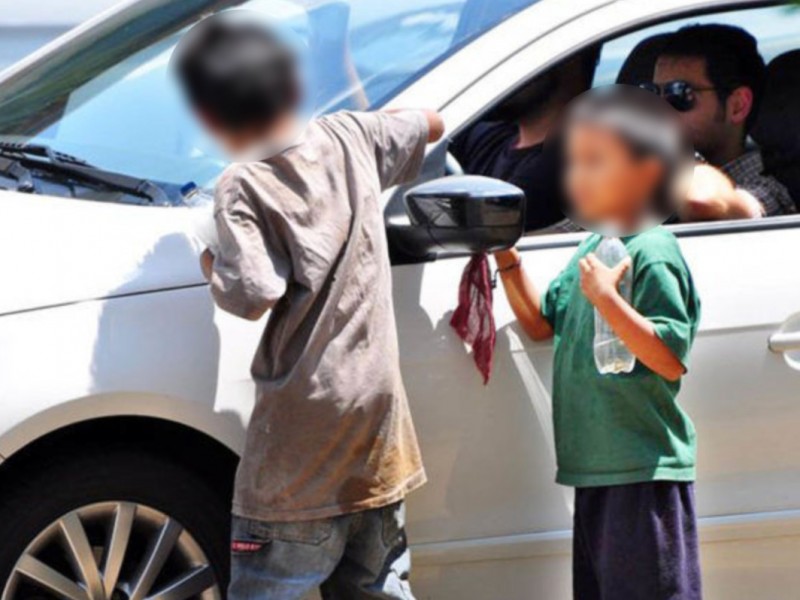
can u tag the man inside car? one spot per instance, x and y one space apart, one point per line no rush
509 143
714 77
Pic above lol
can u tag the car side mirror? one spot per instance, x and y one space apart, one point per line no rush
465 213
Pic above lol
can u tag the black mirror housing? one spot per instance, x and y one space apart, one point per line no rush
466 213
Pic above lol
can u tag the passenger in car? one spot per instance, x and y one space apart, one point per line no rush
777 129
509 143
714 77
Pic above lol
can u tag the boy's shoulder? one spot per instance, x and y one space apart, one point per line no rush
356 129
371 125
238 174
228 183
341 116
325 137
345 119
655 245
238 182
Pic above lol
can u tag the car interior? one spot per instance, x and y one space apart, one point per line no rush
779 121
630 59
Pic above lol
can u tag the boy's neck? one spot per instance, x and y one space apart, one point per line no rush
284 126
271 140
625 225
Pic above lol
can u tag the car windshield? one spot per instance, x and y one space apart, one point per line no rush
107 96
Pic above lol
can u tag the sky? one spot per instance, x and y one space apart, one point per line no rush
50 12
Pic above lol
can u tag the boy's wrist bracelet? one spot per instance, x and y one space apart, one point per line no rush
515 265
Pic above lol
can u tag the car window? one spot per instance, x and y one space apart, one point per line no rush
491 146
769 168
107 97
776 28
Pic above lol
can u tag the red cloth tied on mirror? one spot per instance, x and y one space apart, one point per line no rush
473 319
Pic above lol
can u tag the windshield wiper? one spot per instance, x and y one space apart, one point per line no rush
41 150
14 169
77 167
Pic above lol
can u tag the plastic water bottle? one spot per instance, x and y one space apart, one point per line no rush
610 353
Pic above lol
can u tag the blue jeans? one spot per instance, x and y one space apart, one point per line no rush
351 557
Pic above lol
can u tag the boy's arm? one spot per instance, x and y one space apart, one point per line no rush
250 271
398 139
600 286
434 119
522 295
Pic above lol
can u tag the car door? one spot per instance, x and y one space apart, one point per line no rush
491 511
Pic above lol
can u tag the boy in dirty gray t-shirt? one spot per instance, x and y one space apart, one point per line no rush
331 450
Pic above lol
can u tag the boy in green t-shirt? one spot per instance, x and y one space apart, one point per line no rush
622 440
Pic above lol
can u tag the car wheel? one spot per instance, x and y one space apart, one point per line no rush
115 526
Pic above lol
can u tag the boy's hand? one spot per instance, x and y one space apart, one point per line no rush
207 263
600 283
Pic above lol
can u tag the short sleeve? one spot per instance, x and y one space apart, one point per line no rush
398 140
664 294
251 269
550 300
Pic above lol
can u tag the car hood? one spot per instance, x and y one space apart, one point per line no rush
58 250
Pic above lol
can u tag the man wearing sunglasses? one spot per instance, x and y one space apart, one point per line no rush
714 76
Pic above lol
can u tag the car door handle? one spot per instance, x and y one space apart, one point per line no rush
784 342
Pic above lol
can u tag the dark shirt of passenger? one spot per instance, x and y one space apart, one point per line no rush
489 149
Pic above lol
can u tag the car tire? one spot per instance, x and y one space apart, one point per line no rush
155 494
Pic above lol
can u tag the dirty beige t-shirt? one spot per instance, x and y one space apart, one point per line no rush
303 233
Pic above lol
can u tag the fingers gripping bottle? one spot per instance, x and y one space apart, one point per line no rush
610 353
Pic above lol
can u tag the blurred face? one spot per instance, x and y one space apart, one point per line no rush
706 122
605 182
251 143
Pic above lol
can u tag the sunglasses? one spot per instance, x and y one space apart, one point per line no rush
679 94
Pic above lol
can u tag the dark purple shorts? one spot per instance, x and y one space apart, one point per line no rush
636 542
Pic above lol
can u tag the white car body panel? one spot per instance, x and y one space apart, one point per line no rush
103 313
76 251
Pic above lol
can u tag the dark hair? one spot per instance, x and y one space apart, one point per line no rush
530 99
646 124
731 56
638 67
238 72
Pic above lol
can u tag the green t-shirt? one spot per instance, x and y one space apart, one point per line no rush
623 428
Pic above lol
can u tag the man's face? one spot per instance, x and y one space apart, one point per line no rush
706 122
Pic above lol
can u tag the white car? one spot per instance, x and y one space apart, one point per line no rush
124 394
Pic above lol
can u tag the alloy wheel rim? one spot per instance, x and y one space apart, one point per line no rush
113 551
